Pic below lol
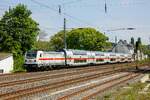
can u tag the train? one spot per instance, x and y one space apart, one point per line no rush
69 57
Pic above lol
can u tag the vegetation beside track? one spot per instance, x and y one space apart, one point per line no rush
129 92
18 64
144 62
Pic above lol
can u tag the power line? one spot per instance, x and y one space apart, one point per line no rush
52 28
44 5
65 14
71 2
77 19
43 27
118 29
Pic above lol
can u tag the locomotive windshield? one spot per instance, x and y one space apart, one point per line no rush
31 55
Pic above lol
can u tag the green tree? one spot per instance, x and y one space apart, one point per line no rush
18 31
145 49
42 45
132 41
139 40
138 44
57 41
80 38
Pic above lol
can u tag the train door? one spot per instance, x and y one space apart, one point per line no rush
40 59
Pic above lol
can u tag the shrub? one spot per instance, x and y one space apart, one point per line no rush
18 64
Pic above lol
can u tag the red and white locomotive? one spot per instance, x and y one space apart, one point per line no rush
39 59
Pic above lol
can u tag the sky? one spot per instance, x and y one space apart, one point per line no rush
90 13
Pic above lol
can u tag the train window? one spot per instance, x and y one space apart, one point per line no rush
79 60
99 54
1 71
112 55
112 59
122 59
31 55
40 55
79 53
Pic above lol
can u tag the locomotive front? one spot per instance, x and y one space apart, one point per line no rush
31 60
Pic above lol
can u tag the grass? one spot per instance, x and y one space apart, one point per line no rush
127 93
146 61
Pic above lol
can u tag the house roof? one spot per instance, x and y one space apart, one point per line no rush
4 55
122 47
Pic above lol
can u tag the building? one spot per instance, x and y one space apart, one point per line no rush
123 47
6 63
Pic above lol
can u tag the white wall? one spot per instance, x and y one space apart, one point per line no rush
6 64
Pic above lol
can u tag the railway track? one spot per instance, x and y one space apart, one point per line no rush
6 78
28 77
96 73
93 90
39 89
109 85
11 83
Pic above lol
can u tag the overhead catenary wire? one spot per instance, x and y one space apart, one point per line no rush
71 2
64 14
44 5
47 28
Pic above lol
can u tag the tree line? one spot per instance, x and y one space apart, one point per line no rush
139 46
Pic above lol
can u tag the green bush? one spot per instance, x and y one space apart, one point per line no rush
18 64
145 61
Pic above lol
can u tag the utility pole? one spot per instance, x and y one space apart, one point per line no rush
105 7
59 10
65 43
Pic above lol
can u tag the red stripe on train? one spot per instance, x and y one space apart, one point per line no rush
51 58
73 58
